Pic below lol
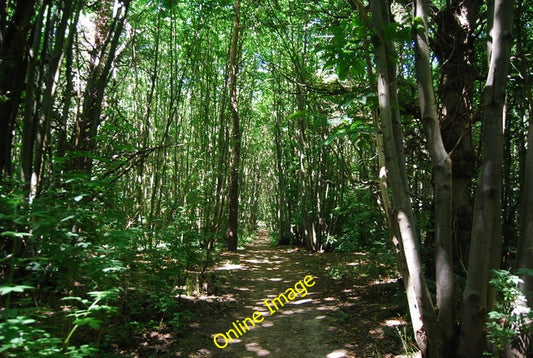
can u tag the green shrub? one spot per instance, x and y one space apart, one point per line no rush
512 318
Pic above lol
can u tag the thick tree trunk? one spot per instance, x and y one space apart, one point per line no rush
442 176
427 336
13 49
486 231
235 139
453 45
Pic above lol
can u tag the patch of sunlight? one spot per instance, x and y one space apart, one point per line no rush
301 302
339 353
291 312
384 282
267 324
329 299
327 308
393 323
221 298
257 308
353 263
256 348
413 355
275 279
255 261
230 266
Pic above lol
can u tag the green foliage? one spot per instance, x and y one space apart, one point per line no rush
65 243
151 213
362 227
513 318
4 290
22 336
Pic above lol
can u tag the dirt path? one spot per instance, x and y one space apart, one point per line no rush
338 317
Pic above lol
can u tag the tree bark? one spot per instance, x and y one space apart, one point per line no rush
486 231
453 45
235 139
442 177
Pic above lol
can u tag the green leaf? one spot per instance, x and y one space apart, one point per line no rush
88 321
4 290
110 294
68 217
18 235
342 70
298 114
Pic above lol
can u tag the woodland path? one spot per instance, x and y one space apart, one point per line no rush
339 317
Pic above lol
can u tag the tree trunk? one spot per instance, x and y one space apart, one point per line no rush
453 45
107 36
69 84
235 139
14 40
427 336
525 242
486 231
50 75
31 101
442 177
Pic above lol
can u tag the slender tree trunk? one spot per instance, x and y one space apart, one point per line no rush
486 231
69 83
442 177
525 242
107 36
50 78
31 102
427 335
235 140
282 207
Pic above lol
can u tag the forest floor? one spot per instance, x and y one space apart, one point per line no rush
345 314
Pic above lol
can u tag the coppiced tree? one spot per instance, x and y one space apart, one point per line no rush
435 336
423 314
